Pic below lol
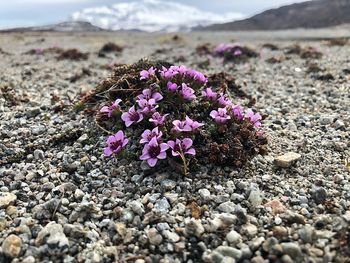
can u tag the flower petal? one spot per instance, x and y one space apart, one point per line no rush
152 162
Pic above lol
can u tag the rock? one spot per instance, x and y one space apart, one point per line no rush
307 234
83 138
52 235
194 227
292 249
154 237
287 159
233 237
227 207
292 217
11 246
229 252
7 199
171 236
168 184
204 194
162 205
319 195
255 198
276 206
39 155
249 230
137 207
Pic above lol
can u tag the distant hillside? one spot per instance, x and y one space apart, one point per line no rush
310 14
74 26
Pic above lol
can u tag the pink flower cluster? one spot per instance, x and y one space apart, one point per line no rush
227 109
146 108
169 133
223 48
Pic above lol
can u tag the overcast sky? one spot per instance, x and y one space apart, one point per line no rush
39 12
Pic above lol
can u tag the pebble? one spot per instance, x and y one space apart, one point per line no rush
11 246
194 227
154 237
162 205
39 155
287 159
233 237
52 234
249 230
306 233
292 249
7 199
227 207
204 194
229 252
319 195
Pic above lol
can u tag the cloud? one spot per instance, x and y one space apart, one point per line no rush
49 2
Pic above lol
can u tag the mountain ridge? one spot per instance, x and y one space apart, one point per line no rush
308 14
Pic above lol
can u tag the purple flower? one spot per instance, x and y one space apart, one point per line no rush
154 151
196 75
193 124
145 74
157 119
132 116
187 92
39 51
224 100
172 86
238 52
110 109
209 94
147 106
147 135
115 143
181 146
220 116
255 118
181 126
238 112
148 94
168 73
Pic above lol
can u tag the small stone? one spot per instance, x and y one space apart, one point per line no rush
287 159
229 252
171 236
249 230
227 207
233 237
168 184
204 193
154 237
11 246
162 205
39 155
292 249
7 199
137 207
255 198
83 138
52 234
257 259
194 227
279 232
319 195
276 206
306 234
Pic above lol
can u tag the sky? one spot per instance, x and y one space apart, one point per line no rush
17 13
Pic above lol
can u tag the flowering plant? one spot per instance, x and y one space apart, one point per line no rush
166 112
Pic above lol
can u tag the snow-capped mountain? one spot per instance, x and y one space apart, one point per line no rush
151 15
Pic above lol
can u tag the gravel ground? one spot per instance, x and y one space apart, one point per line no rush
61 200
